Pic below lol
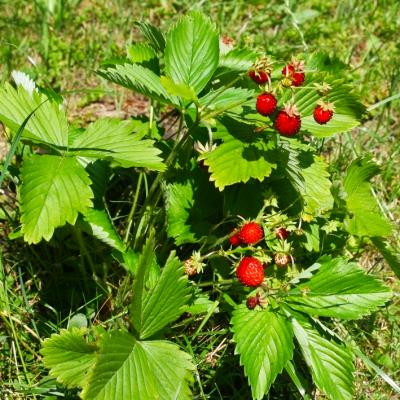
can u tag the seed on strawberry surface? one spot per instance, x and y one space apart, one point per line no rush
250 272
251 233
266 104
288 121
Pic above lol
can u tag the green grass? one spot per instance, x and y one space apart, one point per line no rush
42 287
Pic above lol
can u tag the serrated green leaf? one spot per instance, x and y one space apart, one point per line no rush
340 290
366 218
192 51
165 302
191 205
130 369
181 90
244 154
264 341
153 35
226 99
113 139
233 63
348 109
102 228
390 254
143 54
138 79
48 124
69 357
53 191
330 362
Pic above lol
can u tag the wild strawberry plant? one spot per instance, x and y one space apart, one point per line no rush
235 214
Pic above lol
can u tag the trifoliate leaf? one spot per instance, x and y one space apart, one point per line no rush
127 368
244 154
264 341
69 357
54 190
192 51
340 290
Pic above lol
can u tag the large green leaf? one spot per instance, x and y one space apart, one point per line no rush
164 302
244 154
192 51
54 190
48 124
130 369
264 340
330 362
191 205
153 35
366 218
138 79
339 289
113 139
390 254
348 109
69 357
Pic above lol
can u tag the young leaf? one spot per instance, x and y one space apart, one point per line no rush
48 124
242 155
53 191
366 219
113 139
264 340
138 79
69 357
165 301
130 369
330 362
192 51
340 290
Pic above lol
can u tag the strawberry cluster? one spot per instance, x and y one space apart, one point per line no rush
250 270
287 119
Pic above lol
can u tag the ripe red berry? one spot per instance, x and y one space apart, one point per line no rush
281 233
250 272
323 113
259 76
281 259
294 71
266 104
251 233
252 302
288 121
298 78
234 240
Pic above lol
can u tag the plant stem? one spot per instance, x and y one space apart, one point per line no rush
132 212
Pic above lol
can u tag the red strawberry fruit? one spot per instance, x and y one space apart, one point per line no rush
252 302
282 259
234 240
323 112
250 272
295 71
288 121
259 76
281 233
266 104
251 233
